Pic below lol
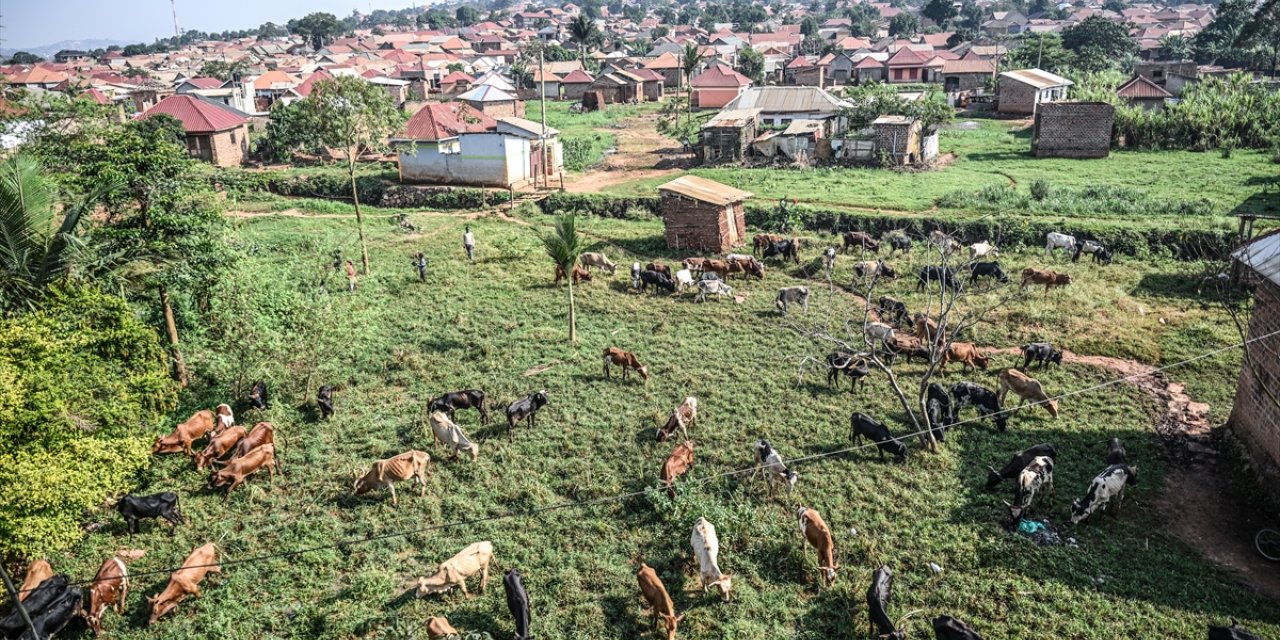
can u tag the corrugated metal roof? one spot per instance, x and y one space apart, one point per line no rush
486 93
732 118
1037 78
197 116
1263 256
802 127
787 100
705 190
969 65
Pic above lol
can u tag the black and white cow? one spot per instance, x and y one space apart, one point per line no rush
324 400
949 628
157 505
1036 476
1018 462
985 400
788 296
946 275
850 365
987 269
1107 487
861 424
1096 249
517 603
878 595
1232 632
258 395
769 461
525 409
466 399
658 280
940 410
787 249
1042 353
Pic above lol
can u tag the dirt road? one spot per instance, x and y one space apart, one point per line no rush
642 153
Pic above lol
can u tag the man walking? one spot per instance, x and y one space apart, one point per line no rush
420 262
469 243
351 277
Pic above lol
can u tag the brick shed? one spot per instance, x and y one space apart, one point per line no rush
1255 416
702 215
1073 130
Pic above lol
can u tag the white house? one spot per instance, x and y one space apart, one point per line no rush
452 143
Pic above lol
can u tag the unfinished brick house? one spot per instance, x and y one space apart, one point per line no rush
701 215
1255 416
1073 130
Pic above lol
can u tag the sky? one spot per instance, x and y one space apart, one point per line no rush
34 23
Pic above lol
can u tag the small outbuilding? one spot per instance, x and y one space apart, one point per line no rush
575 84
1023 90
727 135
1142 92
1255 413
703 215
1073 130
215 133
492 101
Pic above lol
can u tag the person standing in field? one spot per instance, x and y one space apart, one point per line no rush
351 277
420 262
337 260
469 243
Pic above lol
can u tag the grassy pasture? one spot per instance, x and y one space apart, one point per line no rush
499 323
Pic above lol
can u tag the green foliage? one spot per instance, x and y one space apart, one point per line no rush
603 206
872 100
940 11
1095 200
1039 190
1175 47
467 15
348 113
904 25
1098 42
1041 51
22 57
675 122
751 64
1210 113
222 70
1217 41
319 28
580 152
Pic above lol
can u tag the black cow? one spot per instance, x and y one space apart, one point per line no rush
157 505
258 395
946 275
1232 632
877 604
324 399
948 628
985 400
862 424
1116 453
1042 353
896 309
56 616
987 269
848 364
1018 462
39 599
467 399
525 409
940 409
897 243
656 279
785 249
517 603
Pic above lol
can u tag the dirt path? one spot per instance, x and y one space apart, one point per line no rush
642 153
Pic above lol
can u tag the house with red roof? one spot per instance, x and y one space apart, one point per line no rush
667 64
575 83
456 82
907 65
454 143
717 86
215 133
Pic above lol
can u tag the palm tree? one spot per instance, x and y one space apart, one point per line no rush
563 246
583 31
690 60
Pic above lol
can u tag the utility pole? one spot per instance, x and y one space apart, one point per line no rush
13 595
542 135
1040 55
177 31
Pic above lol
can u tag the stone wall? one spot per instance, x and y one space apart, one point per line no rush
1255 418
1073 130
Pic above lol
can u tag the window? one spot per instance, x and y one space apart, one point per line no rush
897 74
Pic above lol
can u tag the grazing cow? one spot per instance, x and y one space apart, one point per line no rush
258 395
878 606
449 434
764 241
108 589
747 266
1037 474
660 605
945 244
946 275
1018 462
455 571
829 259
185 581
792 295
1099 252
38 600
879 332
717 287
893 308
787 249
38 572
598 260
1108 486
862 424
850 365
262 433
986 402
966 353
244 466
677 464
1027 388
949 628
684 280
626 360
899 242
1054 240
987 269
468 399
439 627
517 603
769 462
61 609
199 424
157 505
908 345
926 329
385 473
815 532
225 418
324 400
681 419
1232 632
1041 352
577 273
1049 279
861 240
1116 453
636 283
660 267
982 249
739 257
718 267
870 268
525 408
696 265
939 410
219 445
658 281
706 548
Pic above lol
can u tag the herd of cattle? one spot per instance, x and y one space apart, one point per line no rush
234 453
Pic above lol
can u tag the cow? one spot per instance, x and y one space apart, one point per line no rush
983 399
747 266
38 572
185 581
677 464
926 329
598 260
56 615
706 548
324 400
219 445
982 249
1049 279
1108 486
466 399
109 588
945 275
660 605
660 267
626 360
695 265
199 424
439 627
878 604
636 283
966 353
769 462
681 419
225 418
787 249
788 296
517 603
684 280
1041 352
839 362
262 433
949 628
577 273
861 424
987 269
157 505
37 601
657 280
1038 474
945 244
238 469
899 242
893 308
385 473
718 267
1027 388
764 241
1018 462
717 287
1054 240
829 259
939 410
878 332
455 571
1096 249
1232 632
258 395
449 434
525 408
1116 453
874 268
908 345
814 531
861 240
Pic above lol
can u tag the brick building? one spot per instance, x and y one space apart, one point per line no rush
216 133
1255 416
1073 130
702 215
1023 90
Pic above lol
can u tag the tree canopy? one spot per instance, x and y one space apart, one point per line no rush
318 28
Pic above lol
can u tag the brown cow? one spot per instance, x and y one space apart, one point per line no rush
200 423
385 473
660 605
219 445
579 274
439 627
626 360
695 264
764 240
262 433
677 464
681 419
719 267
815 531
1047 278
926 329
659 267
747 266
238 469
185 581
108 589
38 572
1027 388
860 239
965 352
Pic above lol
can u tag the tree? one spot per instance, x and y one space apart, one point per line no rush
904 24
1175 47
272 30
467 15
223 71
1114 5
809 26
971 16
582 30
1098 42
939 11
961 36
1219 37
563 246
690 60
751 64
22 57
319 28
1263 31
1040 51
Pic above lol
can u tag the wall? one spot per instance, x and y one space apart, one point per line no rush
714 98
965 81
483 159
1017 97
1073 130
1254 418
574 91
696 226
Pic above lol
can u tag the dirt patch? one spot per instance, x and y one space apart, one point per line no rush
642 153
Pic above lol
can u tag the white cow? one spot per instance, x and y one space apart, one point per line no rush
635 275
589 260
769 462
1106 487
879 331
706 547
448 433
983 249
684 280
789 295
943 242
718 287
1054 240
454 572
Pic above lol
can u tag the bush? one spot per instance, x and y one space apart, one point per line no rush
581 152
594 204
1039 190
1092 201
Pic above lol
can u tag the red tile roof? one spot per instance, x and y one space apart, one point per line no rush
869 63
718 75
197 116
648 75
577 76
456 77
96 96
304 89
800 62
444 120
907 58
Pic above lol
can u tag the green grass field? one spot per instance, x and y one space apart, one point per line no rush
499 325
596 127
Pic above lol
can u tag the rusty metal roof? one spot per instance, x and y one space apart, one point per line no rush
705 190
788 100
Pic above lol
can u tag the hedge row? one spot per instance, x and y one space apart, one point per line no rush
594 204
374 190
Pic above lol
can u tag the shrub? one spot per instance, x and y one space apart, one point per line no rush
603 206
1090 201
582 152
1039 190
